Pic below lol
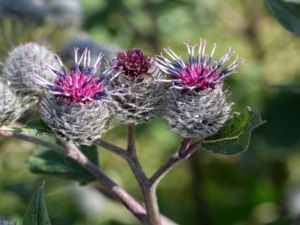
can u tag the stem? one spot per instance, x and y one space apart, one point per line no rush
73 152
130 203
133 159
152 207
112 148
185 150
149 186
136 208
149 192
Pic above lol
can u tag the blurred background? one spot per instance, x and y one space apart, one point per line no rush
259 186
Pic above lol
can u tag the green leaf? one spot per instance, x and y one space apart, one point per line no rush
235 136
37 212
287 13
43 161
295 88
39 126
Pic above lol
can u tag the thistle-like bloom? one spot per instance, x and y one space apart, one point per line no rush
75 107
141 99
12 106
196 105
134 63
201 72
24 61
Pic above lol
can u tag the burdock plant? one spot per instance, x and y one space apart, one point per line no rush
80 103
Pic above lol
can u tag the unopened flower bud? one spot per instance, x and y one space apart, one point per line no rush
141 99
76 106
196 106
24 61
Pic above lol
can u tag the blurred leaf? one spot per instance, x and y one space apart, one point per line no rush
37 212
39 126
295 88
235 136
43 161
287 12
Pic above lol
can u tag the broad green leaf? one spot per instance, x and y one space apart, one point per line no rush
287 13
295 88
37 212
39 126
43 161
235 136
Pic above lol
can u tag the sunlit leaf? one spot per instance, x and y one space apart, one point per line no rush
235 136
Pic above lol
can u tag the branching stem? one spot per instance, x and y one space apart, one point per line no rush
149 185
150 213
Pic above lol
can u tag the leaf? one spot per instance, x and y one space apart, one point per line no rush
39 126
295 88
287 13
235 136
37 212
43 161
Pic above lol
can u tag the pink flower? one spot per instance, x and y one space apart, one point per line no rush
133 63
200 72
78 85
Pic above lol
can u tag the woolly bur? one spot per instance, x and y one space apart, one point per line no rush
196 104
76 106
11 105
141 99
24 61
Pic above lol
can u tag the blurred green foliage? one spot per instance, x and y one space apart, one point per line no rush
256 187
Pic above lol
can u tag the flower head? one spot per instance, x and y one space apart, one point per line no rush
12 106
141 94
78 85
25 60
200 72
133 63
74 107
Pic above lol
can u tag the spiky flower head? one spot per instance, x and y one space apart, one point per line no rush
141 99
134 63
75 107
24 61
11 105
196 105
